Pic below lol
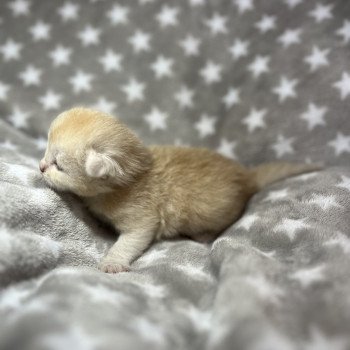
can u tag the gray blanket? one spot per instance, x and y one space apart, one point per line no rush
255 80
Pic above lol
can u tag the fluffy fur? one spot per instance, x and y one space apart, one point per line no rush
148 193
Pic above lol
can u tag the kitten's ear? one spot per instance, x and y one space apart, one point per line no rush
101 165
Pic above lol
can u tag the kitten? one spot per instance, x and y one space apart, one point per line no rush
148 193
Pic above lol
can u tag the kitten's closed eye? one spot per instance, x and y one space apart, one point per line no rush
58 167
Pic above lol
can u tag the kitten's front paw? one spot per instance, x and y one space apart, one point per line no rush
109 266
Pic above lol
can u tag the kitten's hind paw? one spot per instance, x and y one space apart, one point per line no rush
110 267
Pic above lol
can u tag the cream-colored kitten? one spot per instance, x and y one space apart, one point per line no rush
148 193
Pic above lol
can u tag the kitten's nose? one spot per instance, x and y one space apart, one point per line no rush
43 165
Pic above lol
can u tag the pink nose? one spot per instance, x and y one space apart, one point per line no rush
43 165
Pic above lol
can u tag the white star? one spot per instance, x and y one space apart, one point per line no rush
40 31
118 14
292 3
291 226
205 126
283 146
286 88
244 5
31 76
345 183
111 61
323 201
340 144
266 23
60 55
231 98
307 277
89 36
343 85
81 81
11 50
50 100
289 37
19 118
227 149
140 41
259 65
8 145
265 290
167 16
151 332
184 97
211 73
190 45
239 49
217 24
247 221
4 89
68 11
317 58
319 341
41 143
255 119
321 12
344 31
340 240
314 115
99 294
104 105
134 90
197 2
162 67
156 119
274 196
19 7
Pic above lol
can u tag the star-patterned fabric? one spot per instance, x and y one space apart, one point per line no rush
255 80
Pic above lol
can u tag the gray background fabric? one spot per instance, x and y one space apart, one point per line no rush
279 277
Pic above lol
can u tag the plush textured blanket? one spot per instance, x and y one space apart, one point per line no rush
255 80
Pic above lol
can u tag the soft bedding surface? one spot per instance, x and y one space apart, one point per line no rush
255 80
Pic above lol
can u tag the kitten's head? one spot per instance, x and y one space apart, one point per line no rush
90 153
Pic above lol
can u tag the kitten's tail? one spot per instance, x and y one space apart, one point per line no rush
268 173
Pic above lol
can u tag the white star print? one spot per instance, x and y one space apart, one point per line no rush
190 45
324 202
317 58
50 100
274 196
69 11
40 31
292 3
31 76
156 119
289 37
307 277
239 49
167 16
89 36
285 89
211 73
259 65
134 90
341 144
345 183
205 126
81 81
104 105
343 85
244 5
184 97
8 145
60 55
283 146
319 341
11 50
314 115
231 98
227 149
217 24
265 290
118 14
162 67
140 41
40 143
266 23
321 12
111 61
247 221
4 89
344 31
19 118
291 226
197 2
255 119
340 240
19 7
